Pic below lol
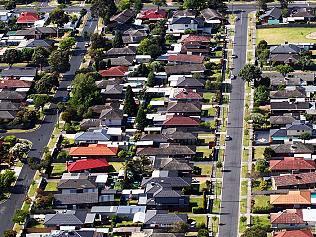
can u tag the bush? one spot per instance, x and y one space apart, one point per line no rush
197 170
198 210
243 219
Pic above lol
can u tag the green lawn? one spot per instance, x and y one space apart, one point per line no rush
261 221
279 35
242 226
261 203
51 186
209 96
245 154
32 189
207 152
244 188
212 111
196 201
258 152
256 185
244 171
206 138
243 205
202 186
58 169
218 188
199 218
216 205
117 165
206 169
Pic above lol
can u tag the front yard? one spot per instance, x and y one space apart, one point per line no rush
261 204
276 36
58 169
258 152
206 169
51 187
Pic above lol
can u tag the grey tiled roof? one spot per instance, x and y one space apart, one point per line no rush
176 182
170 150
121 51
290 106
184 69
76 198
75 184
275 12
19 72
210 14
297 93
68 218
171 164
189 81
285 49
164 218
12 95
96 135
298 148
281 120
186 107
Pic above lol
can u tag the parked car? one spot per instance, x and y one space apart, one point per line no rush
228 138
234 56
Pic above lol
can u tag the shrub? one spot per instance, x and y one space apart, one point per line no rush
198 210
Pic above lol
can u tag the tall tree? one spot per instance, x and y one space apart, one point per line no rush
141 120
27 54
123 5
159 3
219 5
193 4
59 61
151 79
67 43
40 100
9 5
7 178
103 8
39 57
59 17
262 4
250 73
138 5
130 106
117 40
12 56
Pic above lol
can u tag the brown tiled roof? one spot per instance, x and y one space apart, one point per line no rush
292 163
14 84
186 58
295 179
288 216
93 150
294 233
293 197
118 71
181 121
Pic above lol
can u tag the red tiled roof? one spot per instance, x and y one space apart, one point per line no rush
93 150
289 216
181 120
295 179
292 163
27 17
153 14
294 233
186 58
14 84
87 164
185 94
197 38
118 71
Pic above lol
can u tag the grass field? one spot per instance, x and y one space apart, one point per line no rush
206 168
199 218
258 152
51 186
58 169
280 35
196 201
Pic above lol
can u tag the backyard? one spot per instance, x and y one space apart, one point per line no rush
276 36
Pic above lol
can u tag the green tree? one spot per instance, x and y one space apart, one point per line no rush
12 56
83 12
141 120
123 5
39 57
203 233
98 41
305 136
130 106
250 73
67 43
9 233
59 17
262 4
20 150
84 93
150 46
261 165
219 5
40 100
7 178
20 216
255 231
117 40
305 60
27 54
263 185
285 3
268 153
138 5
159 3
59 61
46 83
26 118
151 79
9 5
137 168
284 69
103 8
261 95
193 4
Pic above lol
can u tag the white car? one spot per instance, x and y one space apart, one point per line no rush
234 56
232 77
69 88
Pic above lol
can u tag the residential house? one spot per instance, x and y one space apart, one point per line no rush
176 183
285 54
25 74
297 94
152 15
124 17
294 181
184 108
278 108
293 233
118 52
196 45
118 71
281 120
176 135
13 84
182 24
92 136
297 149
27 18
291 165
290 132
89 123
288 219
77 218
185 12
271 17
185 59
212 19
187 95
185 69
176 151
88 165
121 61
300 14
113 92
293 199
176 121
180 81
8 110
181 168
111 117
37 32
163 219
93 151
34 43
12 96
76 233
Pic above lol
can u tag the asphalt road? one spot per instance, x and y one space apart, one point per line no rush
229 211
40 137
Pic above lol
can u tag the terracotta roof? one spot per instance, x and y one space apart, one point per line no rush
295 179
14 84
196 38
294 233
27 17
86 164
293 197
288 216
188 94
153 14
181 120
292 163
93 150
186 58
118 71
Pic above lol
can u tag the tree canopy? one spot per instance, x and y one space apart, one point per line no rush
284 69
40 56
117 40
59 61
59 17
130 106
103 8
67 43
250 73
7 178
12 56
